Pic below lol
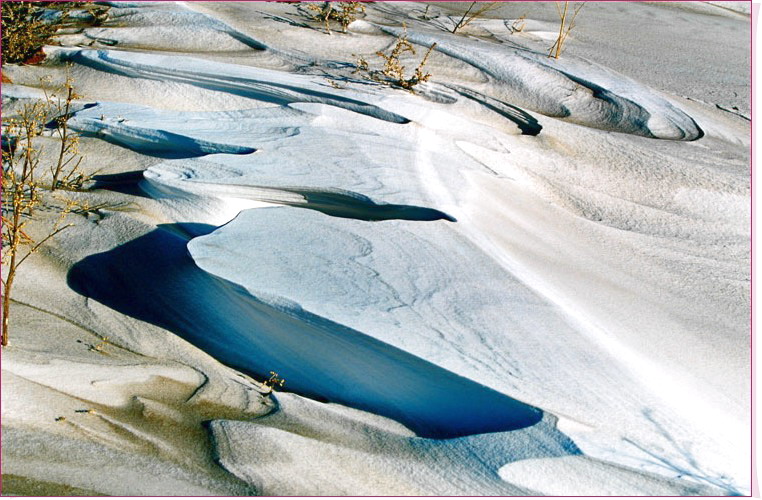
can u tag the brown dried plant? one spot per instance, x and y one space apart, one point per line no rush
344 13
23 33
518 25
472 13
273 381
393 72
567 24
100 347
23 191
65 172
362 65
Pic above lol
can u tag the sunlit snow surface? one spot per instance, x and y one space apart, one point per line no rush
544 238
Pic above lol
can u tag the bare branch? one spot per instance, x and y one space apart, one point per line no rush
466 19
41 242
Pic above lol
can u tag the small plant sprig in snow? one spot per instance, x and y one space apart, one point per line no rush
344 13
273 381
65 171
472 14
393 72
518 25
567 24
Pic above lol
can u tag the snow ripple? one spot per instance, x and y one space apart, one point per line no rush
256 83
577 90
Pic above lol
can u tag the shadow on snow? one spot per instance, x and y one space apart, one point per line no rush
154 279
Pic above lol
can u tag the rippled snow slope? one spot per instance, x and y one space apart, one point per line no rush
521 240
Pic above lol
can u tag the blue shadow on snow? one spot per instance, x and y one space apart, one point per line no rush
154 279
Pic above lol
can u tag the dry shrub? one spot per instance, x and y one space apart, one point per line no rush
393 72
344 13
65 171
23 191
273 381
23 33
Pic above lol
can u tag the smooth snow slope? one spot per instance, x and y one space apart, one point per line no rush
522 240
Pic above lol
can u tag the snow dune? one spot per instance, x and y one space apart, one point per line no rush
571 88
278 154
261 84
529 277
374 275
167 26
335 440
152 141
257 333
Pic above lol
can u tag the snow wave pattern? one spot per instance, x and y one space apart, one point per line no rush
577 90
256 83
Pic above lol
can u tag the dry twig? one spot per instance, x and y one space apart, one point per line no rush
472 14
567 24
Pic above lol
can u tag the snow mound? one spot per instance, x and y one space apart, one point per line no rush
256 83
577 90
145 137
160 26
263 332
324 442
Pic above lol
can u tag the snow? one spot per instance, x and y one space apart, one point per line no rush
528 277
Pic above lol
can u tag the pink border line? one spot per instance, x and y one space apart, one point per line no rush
755 8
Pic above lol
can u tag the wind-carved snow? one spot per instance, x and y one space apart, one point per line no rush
321 358
155 25
147 136
306 157
420 287
425 289
414 284
257 83
571 88
424 259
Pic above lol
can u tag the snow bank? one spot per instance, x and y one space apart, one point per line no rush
263 332
500 284
147 138
255 83
570 88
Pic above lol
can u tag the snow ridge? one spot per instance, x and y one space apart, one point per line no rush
255 83
571 88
